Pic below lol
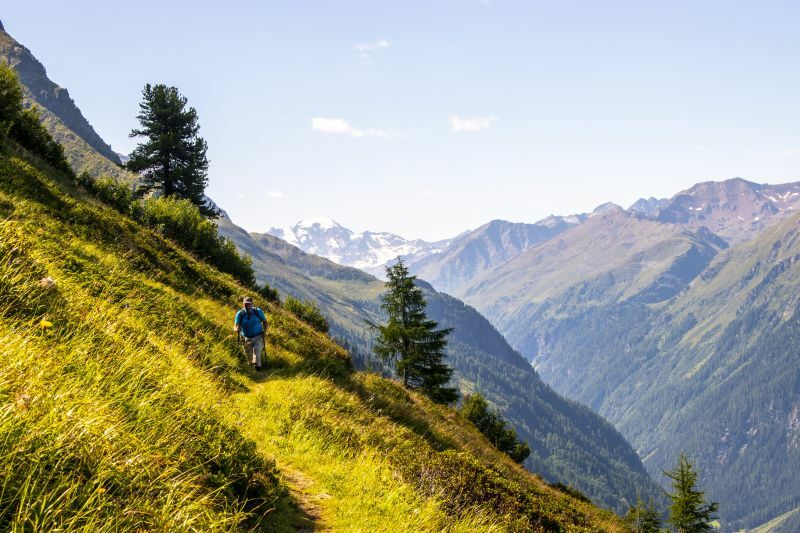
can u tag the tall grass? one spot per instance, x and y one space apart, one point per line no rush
125 404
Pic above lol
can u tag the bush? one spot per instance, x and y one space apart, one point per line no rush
27 129
489 422
10 98
308 312
268 293
115 193
181 221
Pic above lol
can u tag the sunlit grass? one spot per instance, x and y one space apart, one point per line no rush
126 405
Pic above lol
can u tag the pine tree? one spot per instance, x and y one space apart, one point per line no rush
643 518
172 159
689 513
410 340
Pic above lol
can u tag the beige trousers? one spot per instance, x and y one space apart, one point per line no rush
253 347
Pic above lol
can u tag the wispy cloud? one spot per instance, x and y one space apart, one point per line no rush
782 155
365 51
276 194
341 126
427 192
470 124
702 149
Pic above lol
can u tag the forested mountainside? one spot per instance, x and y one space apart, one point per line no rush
684 342
569 443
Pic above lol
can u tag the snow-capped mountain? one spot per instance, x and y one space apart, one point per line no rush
367 250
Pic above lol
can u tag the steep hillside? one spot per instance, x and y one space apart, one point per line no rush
126 405
85 150
569 442
685 344
610 258
470 254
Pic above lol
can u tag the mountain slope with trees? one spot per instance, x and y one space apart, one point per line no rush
568 442
127 405
685 343
571 444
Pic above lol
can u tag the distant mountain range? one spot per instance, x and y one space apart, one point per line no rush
676 318
369 251
569 443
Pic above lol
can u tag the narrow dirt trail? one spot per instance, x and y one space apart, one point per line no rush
309 501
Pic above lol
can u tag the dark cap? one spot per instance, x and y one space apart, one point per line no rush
248 300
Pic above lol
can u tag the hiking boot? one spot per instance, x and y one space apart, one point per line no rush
258 368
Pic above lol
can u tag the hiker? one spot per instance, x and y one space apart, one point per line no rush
251 323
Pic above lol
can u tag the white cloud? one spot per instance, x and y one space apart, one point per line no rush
702 149
427 192
341 126
470 124
276 194
782 155
366 50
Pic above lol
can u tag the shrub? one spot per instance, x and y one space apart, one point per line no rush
181 221
489 422
268 293
10 98
27 129
308 312
115 193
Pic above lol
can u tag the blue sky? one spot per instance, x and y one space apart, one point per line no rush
429 118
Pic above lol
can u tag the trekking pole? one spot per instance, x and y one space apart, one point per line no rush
264 342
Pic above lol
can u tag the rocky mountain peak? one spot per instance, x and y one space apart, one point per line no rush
1 26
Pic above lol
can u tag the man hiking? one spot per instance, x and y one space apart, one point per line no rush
251 323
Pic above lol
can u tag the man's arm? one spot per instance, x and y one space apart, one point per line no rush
237 322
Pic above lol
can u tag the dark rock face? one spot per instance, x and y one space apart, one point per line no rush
49 95
1 26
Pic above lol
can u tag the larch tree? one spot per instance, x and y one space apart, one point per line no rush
689 512
412 341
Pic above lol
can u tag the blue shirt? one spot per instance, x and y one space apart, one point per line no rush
250 322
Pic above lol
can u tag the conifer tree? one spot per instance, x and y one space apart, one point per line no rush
410 340
689 512
172 159
643 518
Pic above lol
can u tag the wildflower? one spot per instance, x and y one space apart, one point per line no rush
45 324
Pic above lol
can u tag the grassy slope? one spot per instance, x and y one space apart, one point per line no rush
133 409
569 443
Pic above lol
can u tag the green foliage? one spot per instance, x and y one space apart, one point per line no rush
10 98
182 221
29 131
268 293
172 159
308 312
689 512
410 340
476 409
126 408
643 518
179 220
111 191
25 125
